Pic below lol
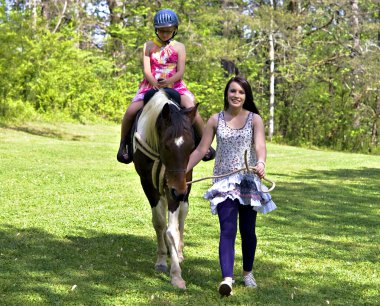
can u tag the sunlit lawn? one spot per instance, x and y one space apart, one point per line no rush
75 227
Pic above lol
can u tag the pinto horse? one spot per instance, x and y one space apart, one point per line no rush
162 144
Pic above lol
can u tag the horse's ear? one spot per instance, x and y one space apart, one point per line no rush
191 112
166 112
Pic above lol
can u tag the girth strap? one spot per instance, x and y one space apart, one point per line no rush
158 166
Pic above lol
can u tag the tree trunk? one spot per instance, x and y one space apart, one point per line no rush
60 17
355 25
378 33
34 13
355 52
116 17
272 78
83 25
376 120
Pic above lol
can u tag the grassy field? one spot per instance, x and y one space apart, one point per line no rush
75 227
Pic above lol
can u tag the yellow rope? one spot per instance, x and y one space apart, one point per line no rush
247 168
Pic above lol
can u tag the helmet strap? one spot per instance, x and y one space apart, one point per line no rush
158 42
167 41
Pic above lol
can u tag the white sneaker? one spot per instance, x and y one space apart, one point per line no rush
249 280
225 288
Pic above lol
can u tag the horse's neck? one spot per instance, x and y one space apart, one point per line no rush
146 126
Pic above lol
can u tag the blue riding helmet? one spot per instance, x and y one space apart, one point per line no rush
165 18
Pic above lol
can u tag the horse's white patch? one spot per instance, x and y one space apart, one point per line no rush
179 141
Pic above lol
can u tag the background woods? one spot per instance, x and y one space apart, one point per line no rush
313 64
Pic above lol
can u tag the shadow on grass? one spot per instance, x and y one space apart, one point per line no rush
37 266
324 216
45 131
340 201
330 218
319 246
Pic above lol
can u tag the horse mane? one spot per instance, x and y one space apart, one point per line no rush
146 126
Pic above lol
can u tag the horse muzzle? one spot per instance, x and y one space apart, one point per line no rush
178 196
176 182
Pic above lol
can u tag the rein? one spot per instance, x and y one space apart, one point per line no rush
247 168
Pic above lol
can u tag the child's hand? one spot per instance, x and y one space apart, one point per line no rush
164 83
156 85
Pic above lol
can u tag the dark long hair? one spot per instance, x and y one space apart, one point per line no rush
248 103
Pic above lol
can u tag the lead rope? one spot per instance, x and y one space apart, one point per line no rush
247 168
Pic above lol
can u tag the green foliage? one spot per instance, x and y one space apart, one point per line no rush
51 75
11 109
326 93
209 93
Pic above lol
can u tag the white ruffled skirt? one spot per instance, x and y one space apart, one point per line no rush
245 187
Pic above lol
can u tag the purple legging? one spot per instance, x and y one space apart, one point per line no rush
228 214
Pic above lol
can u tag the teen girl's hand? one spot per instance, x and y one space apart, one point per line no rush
260 169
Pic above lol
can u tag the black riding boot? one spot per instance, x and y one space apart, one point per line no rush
125 154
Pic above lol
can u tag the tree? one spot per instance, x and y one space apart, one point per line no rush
272 72
313 65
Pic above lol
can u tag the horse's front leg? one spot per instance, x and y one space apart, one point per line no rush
159 224
184 208
173 238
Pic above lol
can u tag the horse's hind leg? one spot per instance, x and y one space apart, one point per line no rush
159 224
184 208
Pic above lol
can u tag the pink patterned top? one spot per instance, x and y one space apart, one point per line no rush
163 63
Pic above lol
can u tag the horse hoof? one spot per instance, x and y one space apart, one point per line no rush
179 283
161 268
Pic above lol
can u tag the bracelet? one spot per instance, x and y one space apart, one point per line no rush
261 162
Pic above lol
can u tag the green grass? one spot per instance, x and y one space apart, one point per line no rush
75 227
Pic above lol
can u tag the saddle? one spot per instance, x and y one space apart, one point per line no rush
172 94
